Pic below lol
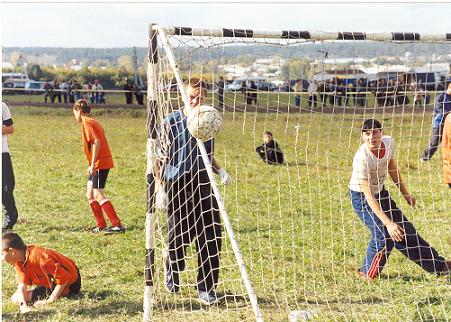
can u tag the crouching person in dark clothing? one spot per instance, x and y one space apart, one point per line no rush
269 151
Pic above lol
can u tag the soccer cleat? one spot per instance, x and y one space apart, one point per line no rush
172 281
208 298
96 230
114 230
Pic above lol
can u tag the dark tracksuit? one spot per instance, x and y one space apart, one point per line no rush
442 107
270 153
413 246
8 183
192 213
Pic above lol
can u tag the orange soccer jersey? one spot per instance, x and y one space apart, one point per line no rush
46 267
446 150
91 131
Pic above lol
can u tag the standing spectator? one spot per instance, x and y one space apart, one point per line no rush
221 86
360 87
86 91
70 92
58 92
389 227
100 161
8 180
312 89
97 90
441 108
76 88
401 97
192 212
138 94
297 88
128 88
446 150
64 87
48 92
332 90
269 151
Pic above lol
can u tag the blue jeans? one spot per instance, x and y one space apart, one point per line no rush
380 246
297 100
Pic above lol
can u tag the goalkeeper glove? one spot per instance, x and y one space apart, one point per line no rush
225 178
161 198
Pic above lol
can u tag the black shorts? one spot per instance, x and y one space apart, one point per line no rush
98 178
41 292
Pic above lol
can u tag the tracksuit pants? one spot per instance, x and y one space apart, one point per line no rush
380 246
436 138
193 215
8 183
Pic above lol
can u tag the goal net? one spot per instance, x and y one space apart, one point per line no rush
283 240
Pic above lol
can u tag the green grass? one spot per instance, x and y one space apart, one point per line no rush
299 236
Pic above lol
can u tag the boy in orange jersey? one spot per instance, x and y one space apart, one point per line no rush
446 150
100 161
54 274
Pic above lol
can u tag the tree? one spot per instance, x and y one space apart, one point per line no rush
296 68
126 62
35 72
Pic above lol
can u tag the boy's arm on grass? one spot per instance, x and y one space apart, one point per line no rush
20 297
57 292
393 171
394 230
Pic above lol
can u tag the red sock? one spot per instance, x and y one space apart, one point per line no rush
108 208
97 211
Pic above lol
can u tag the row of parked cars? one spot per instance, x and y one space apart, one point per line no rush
22 86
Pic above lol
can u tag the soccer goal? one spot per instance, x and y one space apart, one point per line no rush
289 243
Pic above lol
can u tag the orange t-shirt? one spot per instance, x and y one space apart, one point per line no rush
446 149
92 130
46 267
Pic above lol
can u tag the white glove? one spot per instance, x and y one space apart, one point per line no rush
225 178
161 198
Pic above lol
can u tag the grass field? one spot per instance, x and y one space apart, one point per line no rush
298 234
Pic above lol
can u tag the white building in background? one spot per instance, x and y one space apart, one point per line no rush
7 65
268 67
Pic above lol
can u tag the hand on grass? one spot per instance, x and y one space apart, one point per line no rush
226 179
24 308
411 200
395 231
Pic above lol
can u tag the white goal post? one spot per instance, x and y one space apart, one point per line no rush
172 47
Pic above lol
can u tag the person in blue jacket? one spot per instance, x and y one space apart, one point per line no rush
442 107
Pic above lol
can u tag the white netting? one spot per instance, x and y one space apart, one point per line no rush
299 236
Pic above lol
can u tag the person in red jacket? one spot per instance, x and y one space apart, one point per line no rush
100 161
54 274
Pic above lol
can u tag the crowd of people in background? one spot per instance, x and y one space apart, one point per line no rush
341 92
62 91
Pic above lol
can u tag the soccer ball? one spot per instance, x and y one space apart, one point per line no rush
204 122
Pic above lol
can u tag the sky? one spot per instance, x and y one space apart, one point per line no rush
119 24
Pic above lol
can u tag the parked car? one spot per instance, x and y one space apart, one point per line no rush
14 83
34 87
267 87
237 84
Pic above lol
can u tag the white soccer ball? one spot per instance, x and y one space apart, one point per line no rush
204 122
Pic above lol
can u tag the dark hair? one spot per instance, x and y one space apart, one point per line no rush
371 124
83 105
13 240
268 133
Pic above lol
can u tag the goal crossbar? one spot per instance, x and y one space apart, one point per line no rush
305 35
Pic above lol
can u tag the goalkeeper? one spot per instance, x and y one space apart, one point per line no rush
374 206
192 210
